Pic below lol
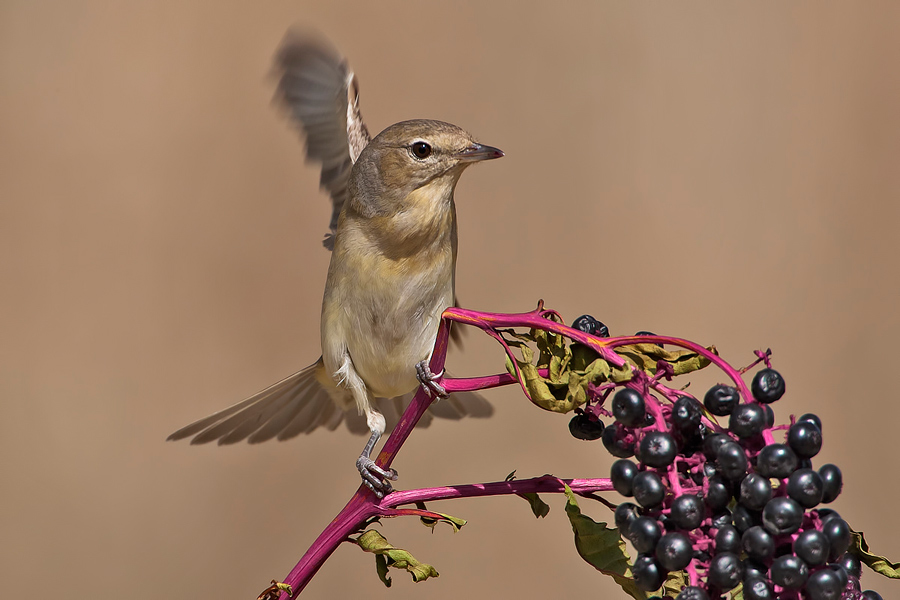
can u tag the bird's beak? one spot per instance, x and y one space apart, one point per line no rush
477 152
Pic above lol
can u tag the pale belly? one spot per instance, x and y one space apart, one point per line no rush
387 329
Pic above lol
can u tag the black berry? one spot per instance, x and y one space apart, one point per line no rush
648 489
674 551
756 491
657 449
584 427
687 511
806 488
628 407
776 460
648 575
617 441
824 585
782 515
813 547
622 475
626 512
767 386
721 400
805 439
728 540
747 420
832 481
644 533
731 460
789 572
758 544
686 415
725 571
589 324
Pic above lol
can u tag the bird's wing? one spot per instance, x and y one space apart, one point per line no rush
322 96
302 403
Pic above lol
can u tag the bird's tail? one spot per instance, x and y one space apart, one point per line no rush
307 400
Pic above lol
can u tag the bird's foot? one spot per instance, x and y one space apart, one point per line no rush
429 380
374 477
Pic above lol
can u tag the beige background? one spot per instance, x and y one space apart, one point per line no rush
723 172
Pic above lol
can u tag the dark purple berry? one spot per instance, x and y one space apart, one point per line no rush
644 533
686 415
813 547
782 515
756 491
731 460
584 427
674 551
721 400
617 442
657 449
712 443
805 439
744 518
622 476
648 489
805 487
770 415
692 592
838 533
747 420
814 419
758 544
589 324
871 595
789 572
851 564
757 588
687 511
776 460
832 482
648 575
725 571
628 407
728 540
841 572
626 512
721 519
767 386
824 585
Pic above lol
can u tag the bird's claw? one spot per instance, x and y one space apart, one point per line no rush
374 477
429 380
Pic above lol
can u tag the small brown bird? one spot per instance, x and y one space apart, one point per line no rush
392 271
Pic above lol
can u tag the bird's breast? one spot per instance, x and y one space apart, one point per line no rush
386 311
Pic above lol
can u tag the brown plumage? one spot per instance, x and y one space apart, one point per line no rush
392 270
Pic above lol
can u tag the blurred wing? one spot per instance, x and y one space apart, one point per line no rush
321 93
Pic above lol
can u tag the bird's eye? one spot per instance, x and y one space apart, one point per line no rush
421 150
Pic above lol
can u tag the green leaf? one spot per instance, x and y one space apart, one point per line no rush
387 555
602 547
738 592
879 564
674 583
540 508
646 357
572 367
455 522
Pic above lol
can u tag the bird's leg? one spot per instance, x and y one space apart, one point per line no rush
429 380
374 477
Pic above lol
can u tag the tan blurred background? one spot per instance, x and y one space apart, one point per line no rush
723 173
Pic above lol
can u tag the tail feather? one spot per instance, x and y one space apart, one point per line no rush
301 403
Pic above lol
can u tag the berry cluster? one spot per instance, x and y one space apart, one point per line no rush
727 505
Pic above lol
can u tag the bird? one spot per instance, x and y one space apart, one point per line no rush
393 237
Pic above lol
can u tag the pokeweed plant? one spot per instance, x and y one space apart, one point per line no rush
731 509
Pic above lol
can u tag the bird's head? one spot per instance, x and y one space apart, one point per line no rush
412 164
